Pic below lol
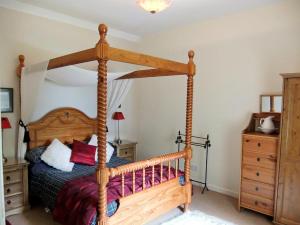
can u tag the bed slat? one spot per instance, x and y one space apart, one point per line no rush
153 175
161 172
176 168
133 182
123 193
144 186
169 170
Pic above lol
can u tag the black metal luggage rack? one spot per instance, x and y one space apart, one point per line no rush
203 143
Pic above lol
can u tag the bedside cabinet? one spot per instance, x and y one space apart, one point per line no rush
15 177
259 156
127 150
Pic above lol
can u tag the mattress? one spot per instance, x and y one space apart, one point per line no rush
45 182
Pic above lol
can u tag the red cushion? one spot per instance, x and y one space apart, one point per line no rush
83 153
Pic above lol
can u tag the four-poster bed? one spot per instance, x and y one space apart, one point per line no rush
150 202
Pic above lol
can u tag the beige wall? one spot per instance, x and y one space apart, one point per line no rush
238 58
40 39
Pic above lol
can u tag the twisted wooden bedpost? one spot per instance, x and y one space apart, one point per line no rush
102 171
189 111
21 65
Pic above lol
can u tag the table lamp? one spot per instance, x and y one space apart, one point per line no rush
118 116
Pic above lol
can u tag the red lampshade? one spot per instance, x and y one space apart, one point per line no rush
118 116
5 124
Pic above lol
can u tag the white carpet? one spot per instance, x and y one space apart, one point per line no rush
197 218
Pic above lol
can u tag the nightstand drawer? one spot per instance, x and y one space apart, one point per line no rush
260 145
12 189
258 188
13 202
13 176
257 203
257 160
126 152
259 174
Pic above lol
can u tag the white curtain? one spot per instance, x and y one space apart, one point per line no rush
78 77
117 90
33 79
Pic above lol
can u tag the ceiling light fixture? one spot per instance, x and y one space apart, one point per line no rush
154 6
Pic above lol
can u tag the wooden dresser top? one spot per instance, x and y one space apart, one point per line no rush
261 134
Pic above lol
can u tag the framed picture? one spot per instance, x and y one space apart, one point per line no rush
7 103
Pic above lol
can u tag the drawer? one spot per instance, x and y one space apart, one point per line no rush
257 203
13 202
13 176
260 145
258 188
259 174
258 160
126 152
11 189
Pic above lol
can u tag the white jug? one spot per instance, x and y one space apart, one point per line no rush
266 125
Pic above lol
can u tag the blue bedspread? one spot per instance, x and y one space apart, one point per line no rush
45 182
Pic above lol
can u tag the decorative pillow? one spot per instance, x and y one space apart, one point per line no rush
83 153
109 149
34 155
58 156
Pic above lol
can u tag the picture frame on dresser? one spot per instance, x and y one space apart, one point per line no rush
7 100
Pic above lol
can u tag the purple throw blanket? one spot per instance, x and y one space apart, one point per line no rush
76 203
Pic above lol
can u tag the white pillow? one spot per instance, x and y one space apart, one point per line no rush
109 151
58 156
109 148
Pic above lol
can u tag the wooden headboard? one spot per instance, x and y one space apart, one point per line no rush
64 124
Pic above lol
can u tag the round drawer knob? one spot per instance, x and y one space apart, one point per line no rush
257 174
258 144
125 153
7 190
8 178
247 140
258 159
8 202
256 189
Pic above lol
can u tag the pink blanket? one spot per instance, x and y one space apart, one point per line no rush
76 203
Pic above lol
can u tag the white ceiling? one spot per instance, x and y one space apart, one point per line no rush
127 16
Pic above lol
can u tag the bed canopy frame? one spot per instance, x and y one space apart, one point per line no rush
143 206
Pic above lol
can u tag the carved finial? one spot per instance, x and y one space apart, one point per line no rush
191 54
102 31
191 64
21 60
21 65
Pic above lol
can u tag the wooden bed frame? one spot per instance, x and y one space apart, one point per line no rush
68 124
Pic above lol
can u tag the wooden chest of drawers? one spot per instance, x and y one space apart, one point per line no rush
258 174
127 150
15 176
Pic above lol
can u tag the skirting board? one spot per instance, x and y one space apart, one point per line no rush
218 189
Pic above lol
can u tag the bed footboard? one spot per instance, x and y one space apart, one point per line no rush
141 207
